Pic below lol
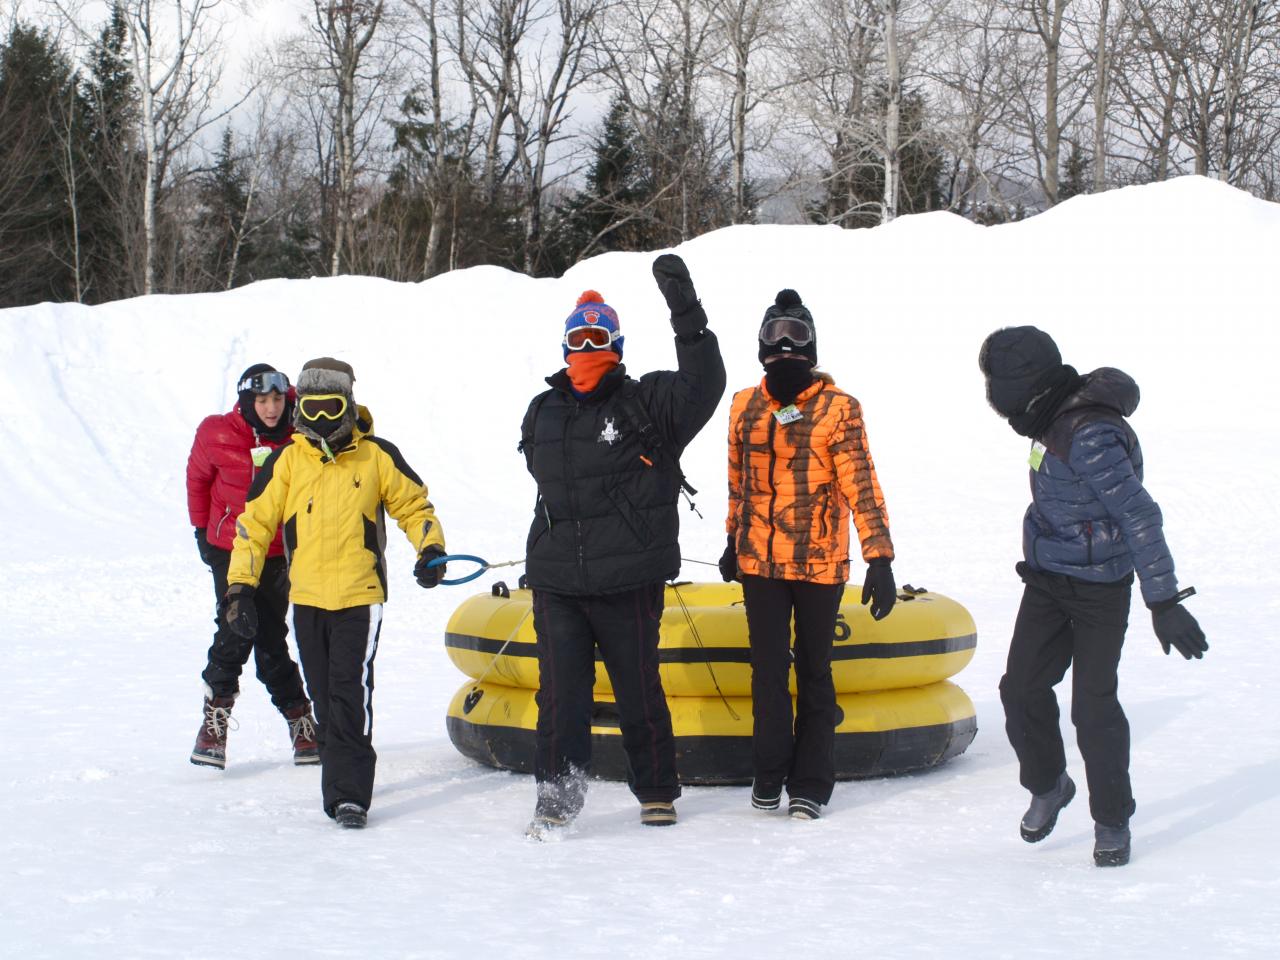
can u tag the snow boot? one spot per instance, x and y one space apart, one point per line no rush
350 816
658 814
1041 817
211 742
1110 845
765 798
302 732
546 826
802 809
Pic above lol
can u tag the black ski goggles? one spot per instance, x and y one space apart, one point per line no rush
322 406
776 329
264 383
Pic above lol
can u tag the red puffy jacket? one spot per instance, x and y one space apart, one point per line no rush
219 472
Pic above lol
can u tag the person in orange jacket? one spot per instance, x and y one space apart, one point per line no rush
799 464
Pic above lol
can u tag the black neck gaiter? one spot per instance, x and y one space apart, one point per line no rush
1035 421
787 379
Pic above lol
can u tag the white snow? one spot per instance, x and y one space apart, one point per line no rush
112 844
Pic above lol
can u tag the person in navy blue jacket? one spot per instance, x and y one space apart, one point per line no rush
1090 526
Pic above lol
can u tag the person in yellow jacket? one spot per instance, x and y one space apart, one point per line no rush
329 489
799 465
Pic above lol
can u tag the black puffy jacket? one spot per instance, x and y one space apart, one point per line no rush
1090 516
606 519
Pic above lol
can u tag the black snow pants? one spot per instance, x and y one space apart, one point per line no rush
337 648
799 754
1065 622
625 628
270 648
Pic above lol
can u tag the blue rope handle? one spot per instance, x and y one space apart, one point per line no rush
451 557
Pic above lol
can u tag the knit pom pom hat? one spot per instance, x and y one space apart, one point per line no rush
788 304
592 311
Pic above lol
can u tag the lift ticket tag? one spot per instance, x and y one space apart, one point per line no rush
260 455
788 414
1037 455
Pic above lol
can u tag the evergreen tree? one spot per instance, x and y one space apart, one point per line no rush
855 187
41 146
1077 172
113 214
229 252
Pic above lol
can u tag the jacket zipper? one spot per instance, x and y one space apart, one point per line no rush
573 494
226 512
1088 533
773 489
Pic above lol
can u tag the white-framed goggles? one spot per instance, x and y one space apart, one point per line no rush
260 383
579 338
776 329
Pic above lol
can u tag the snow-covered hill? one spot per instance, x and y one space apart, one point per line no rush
114 845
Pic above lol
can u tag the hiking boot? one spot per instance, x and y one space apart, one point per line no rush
545 826
658 814
350 815
801 809
302 732
1110 845
1041 817
211 742
765 798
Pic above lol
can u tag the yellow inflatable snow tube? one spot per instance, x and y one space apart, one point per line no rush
877 734
703 648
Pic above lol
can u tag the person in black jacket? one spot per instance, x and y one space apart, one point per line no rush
604 450
1090 526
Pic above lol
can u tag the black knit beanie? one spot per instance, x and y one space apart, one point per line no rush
788 304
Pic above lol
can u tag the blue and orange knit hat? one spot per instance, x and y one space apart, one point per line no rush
592 311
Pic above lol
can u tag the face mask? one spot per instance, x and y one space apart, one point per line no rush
786 379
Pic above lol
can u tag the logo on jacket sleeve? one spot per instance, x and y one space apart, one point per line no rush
610 434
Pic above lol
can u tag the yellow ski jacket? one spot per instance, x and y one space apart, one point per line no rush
333 519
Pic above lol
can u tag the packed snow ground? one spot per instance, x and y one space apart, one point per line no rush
114 845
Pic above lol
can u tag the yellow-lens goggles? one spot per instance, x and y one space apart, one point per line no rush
322 406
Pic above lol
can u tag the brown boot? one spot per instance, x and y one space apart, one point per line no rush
211 742
302 731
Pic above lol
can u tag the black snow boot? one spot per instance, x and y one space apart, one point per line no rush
350 815
764 797
1110 845
559 802
1041 817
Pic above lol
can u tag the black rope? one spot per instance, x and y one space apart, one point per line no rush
698 640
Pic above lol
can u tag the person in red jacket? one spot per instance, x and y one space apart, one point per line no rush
227 452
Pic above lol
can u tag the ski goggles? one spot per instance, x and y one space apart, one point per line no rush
579 338
776 329
322 406
264 383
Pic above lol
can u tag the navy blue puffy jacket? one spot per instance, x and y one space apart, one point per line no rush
1090 516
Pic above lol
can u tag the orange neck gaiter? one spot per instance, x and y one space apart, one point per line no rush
587 367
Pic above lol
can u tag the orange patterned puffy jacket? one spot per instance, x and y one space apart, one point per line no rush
792 485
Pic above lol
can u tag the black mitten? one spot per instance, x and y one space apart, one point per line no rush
687 316
202 545
429 576
241 614
729 562
879 588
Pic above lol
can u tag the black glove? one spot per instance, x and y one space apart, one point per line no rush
879 588
202 545
429 576
729 562
241 613
687 316
1176 628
